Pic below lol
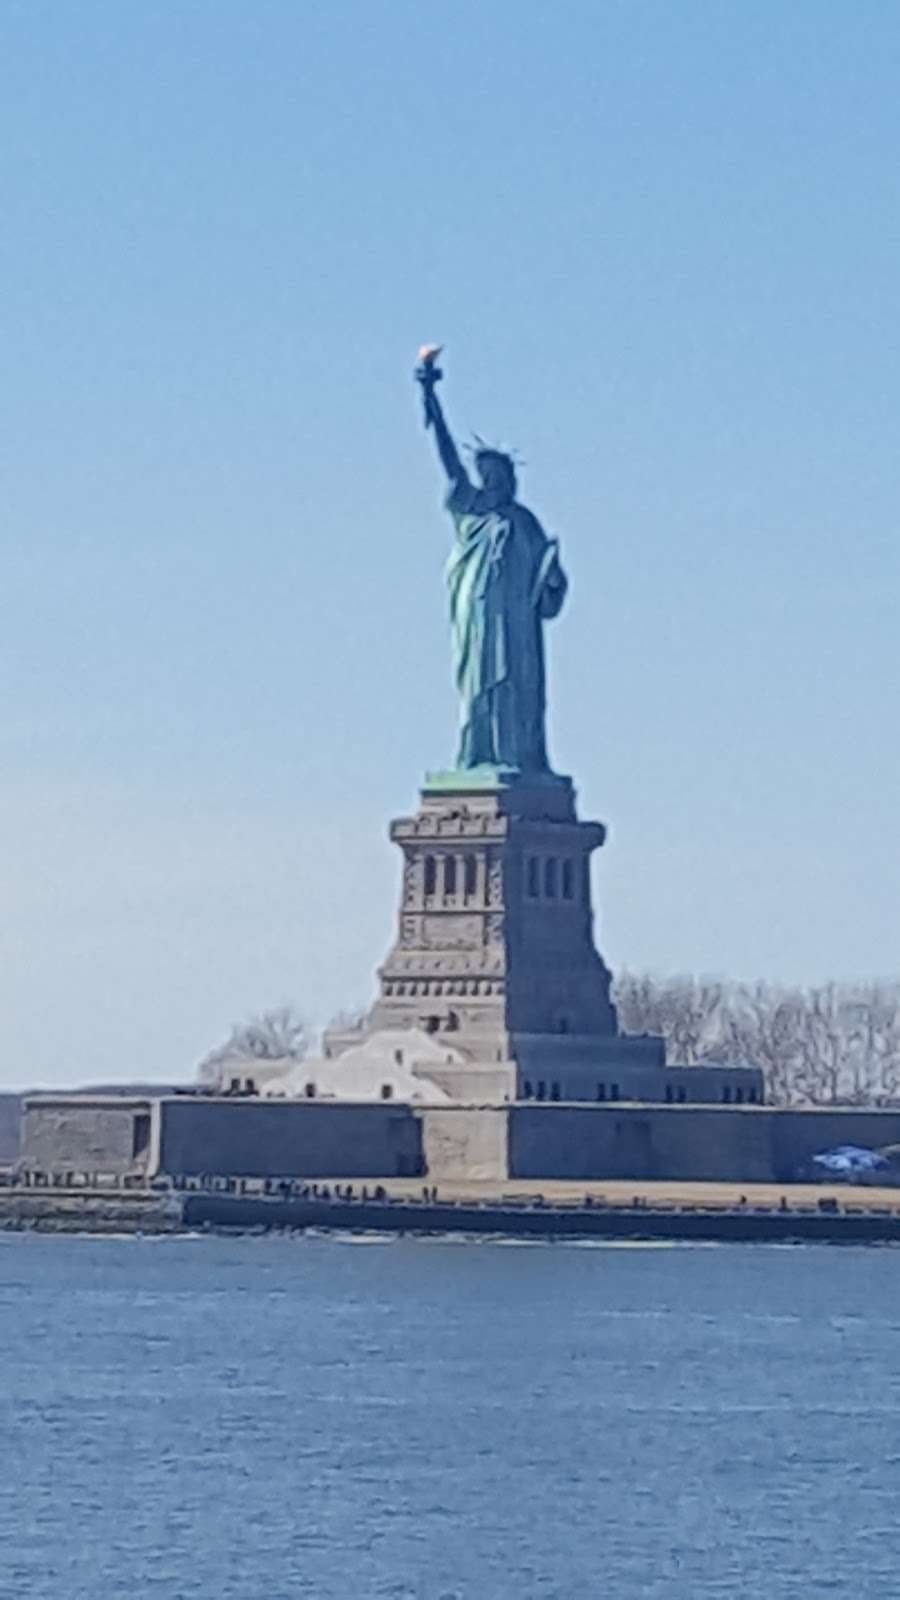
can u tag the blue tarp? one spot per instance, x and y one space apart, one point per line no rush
847 1160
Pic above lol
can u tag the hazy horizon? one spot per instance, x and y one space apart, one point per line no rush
662 248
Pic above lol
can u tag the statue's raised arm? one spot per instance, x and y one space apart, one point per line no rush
429 374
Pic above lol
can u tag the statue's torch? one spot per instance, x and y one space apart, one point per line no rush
428 373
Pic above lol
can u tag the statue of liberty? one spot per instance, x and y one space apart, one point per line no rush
505 581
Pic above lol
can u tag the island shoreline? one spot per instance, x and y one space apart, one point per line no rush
171 1213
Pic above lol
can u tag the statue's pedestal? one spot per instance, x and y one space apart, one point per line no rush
495 950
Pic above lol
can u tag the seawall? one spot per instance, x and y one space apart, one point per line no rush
546 1222
51 1211
179 1137
855 1219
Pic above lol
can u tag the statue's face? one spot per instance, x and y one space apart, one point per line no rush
498 478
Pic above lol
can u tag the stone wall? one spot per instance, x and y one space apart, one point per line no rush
289 1138
743 1144
75 1133
474 1085
799 1134
560 1067
186 1136
10 1128
712 1085
589 1068
467 1144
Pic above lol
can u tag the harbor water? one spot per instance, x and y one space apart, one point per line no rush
400 1419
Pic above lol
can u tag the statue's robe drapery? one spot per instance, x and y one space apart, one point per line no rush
505 579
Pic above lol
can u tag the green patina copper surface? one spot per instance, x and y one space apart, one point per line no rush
505 581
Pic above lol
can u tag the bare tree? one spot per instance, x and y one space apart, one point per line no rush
836 1044
274 1035
867 1023
348 1019
686 1011
763 1026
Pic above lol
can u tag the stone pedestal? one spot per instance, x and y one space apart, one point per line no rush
495 951
495 918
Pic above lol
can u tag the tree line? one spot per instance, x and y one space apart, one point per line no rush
836 1044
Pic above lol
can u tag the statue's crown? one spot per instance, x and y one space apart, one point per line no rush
483 453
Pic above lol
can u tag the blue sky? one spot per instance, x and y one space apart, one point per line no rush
662 245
